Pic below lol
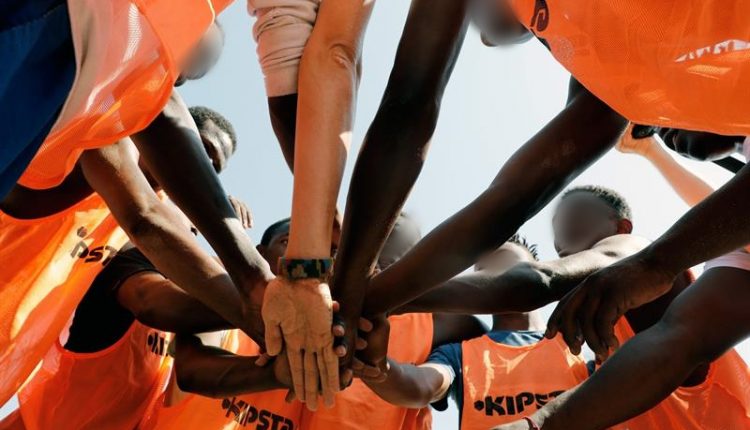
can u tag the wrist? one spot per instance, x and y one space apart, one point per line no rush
655 258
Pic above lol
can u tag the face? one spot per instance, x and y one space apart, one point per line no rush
580 221
217 143
277 247
404 236
497 23
504 258
204 56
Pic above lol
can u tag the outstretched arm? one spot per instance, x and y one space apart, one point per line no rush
525 287
584 130
411 386
214 372
159 232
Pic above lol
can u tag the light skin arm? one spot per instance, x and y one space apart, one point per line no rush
158 230
328 80
157 302
171 149
529 180
527 286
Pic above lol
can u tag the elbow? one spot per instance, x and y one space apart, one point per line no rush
332 57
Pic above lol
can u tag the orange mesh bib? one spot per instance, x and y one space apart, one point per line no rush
47 265
266 410
682 64
505 383
721 402
110 389
128 54
358 407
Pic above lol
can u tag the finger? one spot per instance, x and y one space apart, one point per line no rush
262 360
274 340
365 325
298 373
604 323
360 344
312 380
340 351
331 362
553 323
338 330
290 397
347 376
569 324
336 306
325 388
586 322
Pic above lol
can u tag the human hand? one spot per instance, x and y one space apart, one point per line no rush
298 315
630 145
589 312
371 363
242 211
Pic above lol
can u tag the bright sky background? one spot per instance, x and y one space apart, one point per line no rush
496 100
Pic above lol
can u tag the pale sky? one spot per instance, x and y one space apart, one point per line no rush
496 100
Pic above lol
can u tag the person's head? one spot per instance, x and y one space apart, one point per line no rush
275 239
204 55
496 22
403 237
516 250
587 215
217 134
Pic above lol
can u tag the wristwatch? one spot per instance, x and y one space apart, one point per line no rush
297 268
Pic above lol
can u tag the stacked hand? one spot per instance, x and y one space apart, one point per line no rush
628 144
589 312
371 363
298 317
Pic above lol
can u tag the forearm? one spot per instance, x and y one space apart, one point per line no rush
396 143
406 386
171 149
712 228
527 182
691 189
218 374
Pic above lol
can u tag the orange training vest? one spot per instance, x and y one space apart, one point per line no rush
111 389
682 64
48 264
358 408
721 402
262 411
504 383
128 54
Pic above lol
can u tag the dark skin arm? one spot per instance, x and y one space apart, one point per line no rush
27 203
158 231
157 302
447 328
398 138
527 286
584 131
217 373
283 112
171 149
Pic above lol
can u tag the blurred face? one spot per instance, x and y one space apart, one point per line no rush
217 143
504 258
404 236
580 221
204 56
497 23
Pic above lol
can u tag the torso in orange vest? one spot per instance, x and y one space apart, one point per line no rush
115 389
504 383
358 408
262 411
128 54
48 264
721 402
682 64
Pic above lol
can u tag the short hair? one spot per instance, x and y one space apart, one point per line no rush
522 242
201 115
273 230
612 198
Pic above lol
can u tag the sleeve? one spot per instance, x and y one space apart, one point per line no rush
450 356
281 30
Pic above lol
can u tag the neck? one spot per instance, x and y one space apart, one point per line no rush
516 321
